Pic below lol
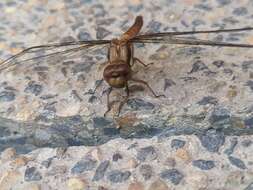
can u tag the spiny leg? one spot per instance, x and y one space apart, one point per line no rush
97 84
124 101
147 85
109 104
135 60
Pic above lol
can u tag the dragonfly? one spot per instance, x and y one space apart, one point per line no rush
118 70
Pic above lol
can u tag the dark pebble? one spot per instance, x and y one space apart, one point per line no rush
168 83
177 143
218 63
203 7
219 114
83 165
46 163
116 157
247 65
40 68
208 100
33 88
7 96
106 22
218 38
84 36
83 67
172 175
9 88
191 79
137 104
111 131
4 131
249 122
240 11
47 96
237 162
190 51
246 143
100 171
228 71
249 187
203 164
99 122
146 171
147 154
154 26
198 22
233 144
117 176
212 140
67 39
198 66
250 84
31 174
230 20
102 33
135 8
224 2
92 99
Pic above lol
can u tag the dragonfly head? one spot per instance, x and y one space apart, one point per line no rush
117 74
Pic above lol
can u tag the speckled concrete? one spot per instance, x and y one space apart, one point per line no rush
46 103
166 163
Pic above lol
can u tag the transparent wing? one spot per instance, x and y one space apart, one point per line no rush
37 53
172 38
164 34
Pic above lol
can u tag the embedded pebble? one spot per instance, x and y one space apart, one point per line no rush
172 175
204 164
212 140
100 171
33 88
138 104
146 171
198 66
117 176
237 162
7 96
147 154
208 100
177 143
83 165
32 174
116 157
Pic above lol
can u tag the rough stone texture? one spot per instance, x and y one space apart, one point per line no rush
54 96
50 102
203 170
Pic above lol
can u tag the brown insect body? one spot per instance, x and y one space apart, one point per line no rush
120 55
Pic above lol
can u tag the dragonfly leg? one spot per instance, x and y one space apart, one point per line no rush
97 84
135 60
147 85
124 101
109 104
